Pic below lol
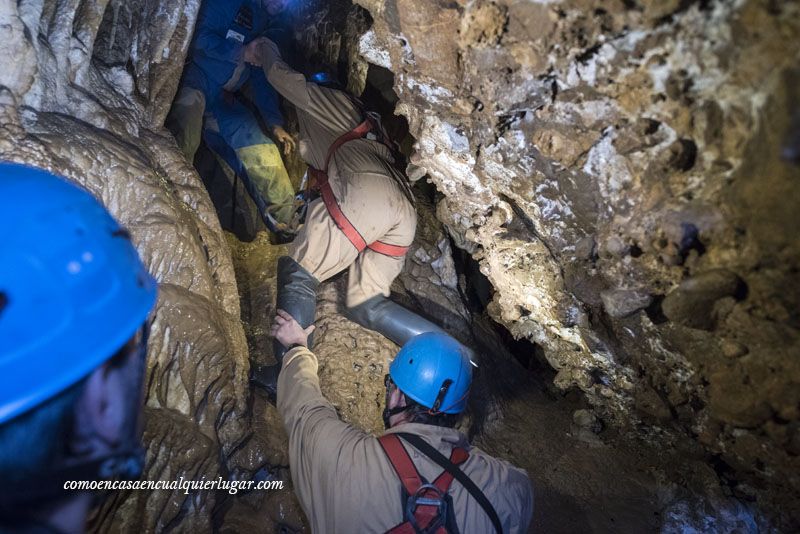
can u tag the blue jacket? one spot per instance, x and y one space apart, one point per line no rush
223 28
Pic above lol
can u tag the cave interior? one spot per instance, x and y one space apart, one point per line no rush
607 196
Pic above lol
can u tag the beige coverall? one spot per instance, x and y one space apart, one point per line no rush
363 180
345 482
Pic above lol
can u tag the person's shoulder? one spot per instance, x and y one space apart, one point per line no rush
510 481
513 474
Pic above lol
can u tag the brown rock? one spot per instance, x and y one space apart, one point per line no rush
734 400
620 303
432 35
482 24
794 439
586 419
615 247
650 403
692 302
733 349
586 248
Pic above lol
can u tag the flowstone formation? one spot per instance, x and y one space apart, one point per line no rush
617 171
84 91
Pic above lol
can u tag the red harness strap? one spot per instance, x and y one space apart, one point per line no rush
335 211
411 481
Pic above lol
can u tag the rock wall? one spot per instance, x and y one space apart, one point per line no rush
616 169
84 95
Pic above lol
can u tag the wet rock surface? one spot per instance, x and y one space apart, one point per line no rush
85 96
623 173
620 303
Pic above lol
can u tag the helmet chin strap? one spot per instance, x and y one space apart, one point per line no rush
389 412
127 464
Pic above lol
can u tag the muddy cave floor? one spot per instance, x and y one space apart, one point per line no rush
582 481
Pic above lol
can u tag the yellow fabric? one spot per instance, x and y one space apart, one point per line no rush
345 483
265 168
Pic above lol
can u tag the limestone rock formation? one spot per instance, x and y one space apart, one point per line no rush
623 173
85 96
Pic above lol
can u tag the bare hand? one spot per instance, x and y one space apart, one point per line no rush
284 137
252 52
288 331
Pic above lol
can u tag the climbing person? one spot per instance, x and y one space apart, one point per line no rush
214 100
74 302
365 219
422 475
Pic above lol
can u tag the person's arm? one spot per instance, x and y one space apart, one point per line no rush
307 415
266 100
318 439
329 107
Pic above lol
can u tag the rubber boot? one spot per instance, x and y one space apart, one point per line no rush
391 319
297 295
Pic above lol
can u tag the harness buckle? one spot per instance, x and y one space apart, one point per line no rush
421 498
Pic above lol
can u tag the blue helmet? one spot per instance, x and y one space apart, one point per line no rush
72 288
435 371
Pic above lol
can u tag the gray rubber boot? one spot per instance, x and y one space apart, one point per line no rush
297 295
391 319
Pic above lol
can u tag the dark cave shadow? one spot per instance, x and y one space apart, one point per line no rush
556 513
234 207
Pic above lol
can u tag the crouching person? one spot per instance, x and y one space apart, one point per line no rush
420 476
74 300
364 221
